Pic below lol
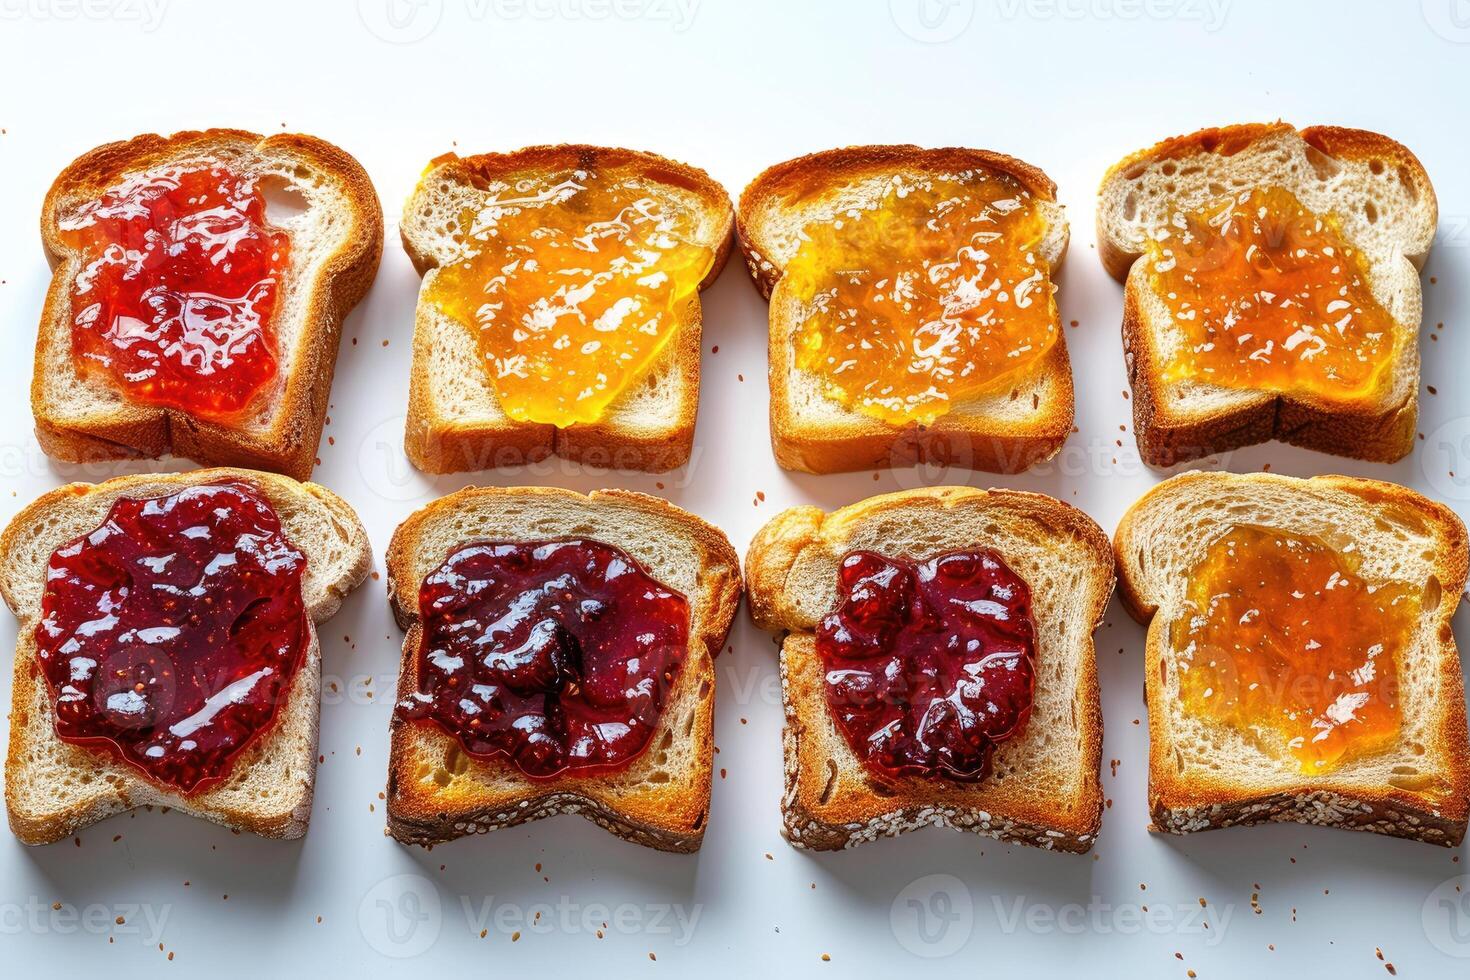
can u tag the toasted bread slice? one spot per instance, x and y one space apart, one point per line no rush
437 792
54 788
1044 788
1203 774
315 192
455 422
1386 208
1005 430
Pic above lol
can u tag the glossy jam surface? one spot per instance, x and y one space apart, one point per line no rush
1270 297
557 656
929 665
179 283
933 295
170 635
572 284
1284 642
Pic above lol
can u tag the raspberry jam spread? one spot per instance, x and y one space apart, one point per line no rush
929 664
1283 641
555 655
572 284
1269 296
180 279
931 295
170 635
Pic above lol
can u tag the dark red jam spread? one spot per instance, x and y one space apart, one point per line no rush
929 664
180 278
556 655
170 635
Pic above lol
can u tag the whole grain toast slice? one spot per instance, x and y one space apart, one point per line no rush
1386 207
53 788
1203 774
438 792
1005 430
315 192
455 422
1044 788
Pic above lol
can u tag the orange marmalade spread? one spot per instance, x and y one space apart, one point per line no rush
933 294
572 284
1284 642
1270 297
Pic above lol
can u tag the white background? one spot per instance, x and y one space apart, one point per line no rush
733 86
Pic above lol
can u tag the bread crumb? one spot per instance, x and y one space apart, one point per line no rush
826 958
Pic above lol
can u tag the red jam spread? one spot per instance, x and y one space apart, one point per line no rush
929 664
170 634
180 279
555 655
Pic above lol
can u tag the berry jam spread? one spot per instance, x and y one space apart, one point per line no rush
555 655
1284 642
929 665
572 284
170 634
180 278
931 295
1270 297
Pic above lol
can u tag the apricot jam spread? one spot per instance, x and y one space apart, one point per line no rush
1284 642
557 656
933 294
1270 297
929 664
170 635
572 283
180 280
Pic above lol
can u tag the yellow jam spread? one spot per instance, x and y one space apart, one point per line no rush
1270 297
572 284
932 294
1284 642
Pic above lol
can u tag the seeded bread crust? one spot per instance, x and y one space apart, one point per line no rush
437 792
87 420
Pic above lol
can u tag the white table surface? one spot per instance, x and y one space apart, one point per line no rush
733 86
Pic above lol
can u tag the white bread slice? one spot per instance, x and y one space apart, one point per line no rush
1204 775
53 788
1004 431
314 191
455 422
1044 788
1386 206
437 792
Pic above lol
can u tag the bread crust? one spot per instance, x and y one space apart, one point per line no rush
115 786
823 810
1203 801
956 439
131 430
671 818
440 445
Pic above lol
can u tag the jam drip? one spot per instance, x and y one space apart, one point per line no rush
932 295
1270 297
170 635
572 284
1285 642
179 282
557 656
929 665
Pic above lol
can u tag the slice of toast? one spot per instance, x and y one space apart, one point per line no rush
1204 775
1044 788
54 788
1386 207
315 192
1005 430
455 421
437 791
